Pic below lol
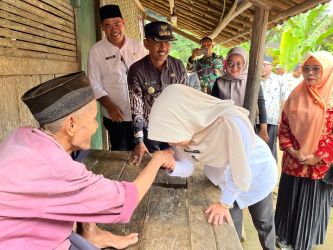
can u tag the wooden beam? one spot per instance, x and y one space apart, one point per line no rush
264 4
178 31
282 5
201 22
255 60
232 14
97 20
171 5
306 5
223 20
196 25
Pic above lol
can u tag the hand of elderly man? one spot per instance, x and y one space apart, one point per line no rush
136 156
166 156
170 166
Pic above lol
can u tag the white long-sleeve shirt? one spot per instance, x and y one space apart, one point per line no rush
263 169
107 71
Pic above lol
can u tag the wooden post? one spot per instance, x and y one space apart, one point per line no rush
257 49
97 20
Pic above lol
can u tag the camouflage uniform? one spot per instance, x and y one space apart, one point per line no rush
208 69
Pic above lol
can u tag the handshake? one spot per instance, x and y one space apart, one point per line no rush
164 158
167 158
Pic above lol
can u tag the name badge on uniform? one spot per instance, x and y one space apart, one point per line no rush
110 57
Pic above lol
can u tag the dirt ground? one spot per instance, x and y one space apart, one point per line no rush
252 242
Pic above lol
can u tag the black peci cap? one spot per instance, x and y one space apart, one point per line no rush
159 31
56 98
109 11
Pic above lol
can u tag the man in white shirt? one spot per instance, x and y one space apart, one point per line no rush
279 70
291 80
275 94
109 61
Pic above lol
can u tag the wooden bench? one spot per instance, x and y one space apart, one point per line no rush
171 215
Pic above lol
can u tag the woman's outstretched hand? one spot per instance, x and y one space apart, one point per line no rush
217 214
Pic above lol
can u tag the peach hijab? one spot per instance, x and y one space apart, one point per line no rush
307 104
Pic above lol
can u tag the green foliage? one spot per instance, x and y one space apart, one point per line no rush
182 48
287 43
299 35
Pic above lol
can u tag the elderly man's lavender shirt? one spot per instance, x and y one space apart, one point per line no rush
43 191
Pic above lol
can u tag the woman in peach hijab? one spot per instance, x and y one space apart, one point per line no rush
305 135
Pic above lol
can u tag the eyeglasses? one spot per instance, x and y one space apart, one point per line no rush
238 65
316 69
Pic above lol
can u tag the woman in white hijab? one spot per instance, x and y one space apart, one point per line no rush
219 134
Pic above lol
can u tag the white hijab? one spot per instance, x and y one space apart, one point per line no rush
182 113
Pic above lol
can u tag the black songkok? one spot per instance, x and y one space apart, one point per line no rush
109 11
56 98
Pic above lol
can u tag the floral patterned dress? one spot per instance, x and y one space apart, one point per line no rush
291 165
303 202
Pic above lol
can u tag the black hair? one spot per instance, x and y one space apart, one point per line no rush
206 38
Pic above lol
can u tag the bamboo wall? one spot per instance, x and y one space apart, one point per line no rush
37 43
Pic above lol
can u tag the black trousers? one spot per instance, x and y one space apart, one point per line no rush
263 220
120 134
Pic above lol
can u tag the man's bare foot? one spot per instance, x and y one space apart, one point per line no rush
101 238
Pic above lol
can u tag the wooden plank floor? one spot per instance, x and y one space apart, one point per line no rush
171 215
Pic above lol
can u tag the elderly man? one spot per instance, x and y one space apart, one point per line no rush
275 95
109 60
146 80
209 67
43 191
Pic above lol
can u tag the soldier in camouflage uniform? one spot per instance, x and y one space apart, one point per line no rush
209 67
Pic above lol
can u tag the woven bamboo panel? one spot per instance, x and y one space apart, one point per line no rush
13 111
37 43
38 29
